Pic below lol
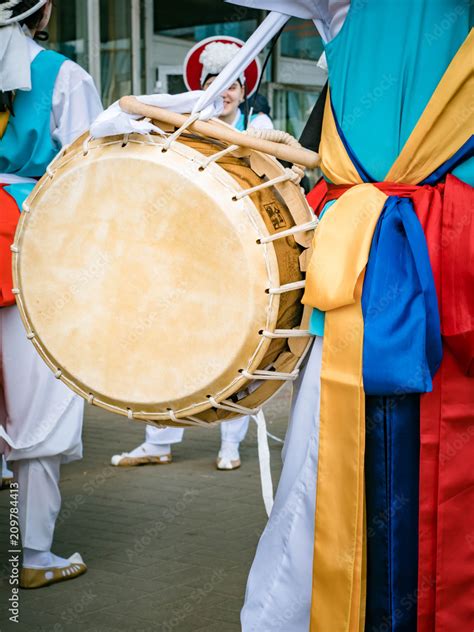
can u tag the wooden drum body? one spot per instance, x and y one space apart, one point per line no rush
149 278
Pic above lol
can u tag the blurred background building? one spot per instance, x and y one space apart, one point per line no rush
138 46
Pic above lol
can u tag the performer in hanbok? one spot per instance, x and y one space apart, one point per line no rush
46 101
203 63
373 519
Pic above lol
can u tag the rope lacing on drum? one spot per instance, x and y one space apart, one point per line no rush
285 333
232 407
193 420
220 154
270 375
289 287
85 145
192 119
285 177
302 228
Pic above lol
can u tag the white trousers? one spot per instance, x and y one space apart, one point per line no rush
278 595
39 500
40 428
39 415
233 431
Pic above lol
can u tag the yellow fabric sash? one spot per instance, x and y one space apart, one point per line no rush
334 284
446 124
335 162
4 118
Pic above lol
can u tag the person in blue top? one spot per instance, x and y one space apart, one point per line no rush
46 101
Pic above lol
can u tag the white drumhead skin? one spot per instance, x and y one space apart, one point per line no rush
143 279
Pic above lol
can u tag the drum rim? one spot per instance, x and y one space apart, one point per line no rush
185 414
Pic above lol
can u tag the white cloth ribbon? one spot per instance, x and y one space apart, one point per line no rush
305 9
251 49
15 61
114 121
264 461
11 178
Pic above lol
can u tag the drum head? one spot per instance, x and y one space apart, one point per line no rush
141 277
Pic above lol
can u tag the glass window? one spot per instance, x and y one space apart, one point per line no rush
300 39
68 30
115 46
291 109
242 30
189 13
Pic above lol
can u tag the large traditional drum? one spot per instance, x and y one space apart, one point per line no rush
163 281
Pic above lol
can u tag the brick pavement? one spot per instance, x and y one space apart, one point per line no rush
168 547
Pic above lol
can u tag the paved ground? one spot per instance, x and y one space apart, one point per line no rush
168 547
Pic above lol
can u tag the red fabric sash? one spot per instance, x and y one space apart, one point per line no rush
9 216
446 518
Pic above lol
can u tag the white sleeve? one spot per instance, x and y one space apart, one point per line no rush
333 14
76 103
262 121
328 15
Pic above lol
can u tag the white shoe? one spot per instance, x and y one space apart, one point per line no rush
126 460
228 457
145 454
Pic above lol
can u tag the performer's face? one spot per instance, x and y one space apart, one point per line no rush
233 96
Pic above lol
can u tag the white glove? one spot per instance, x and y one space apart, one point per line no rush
115 121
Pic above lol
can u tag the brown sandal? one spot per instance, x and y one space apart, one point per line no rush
41 577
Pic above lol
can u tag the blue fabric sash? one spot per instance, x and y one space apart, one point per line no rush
402 351
400 307
392 475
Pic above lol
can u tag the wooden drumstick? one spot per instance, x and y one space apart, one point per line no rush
300 156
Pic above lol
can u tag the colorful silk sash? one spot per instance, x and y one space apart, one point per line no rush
334 284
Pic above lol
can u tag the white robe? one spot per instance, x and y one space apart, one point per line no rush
278 595
328 15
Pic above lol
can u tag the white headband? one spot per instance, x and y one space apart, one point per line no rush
6 12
